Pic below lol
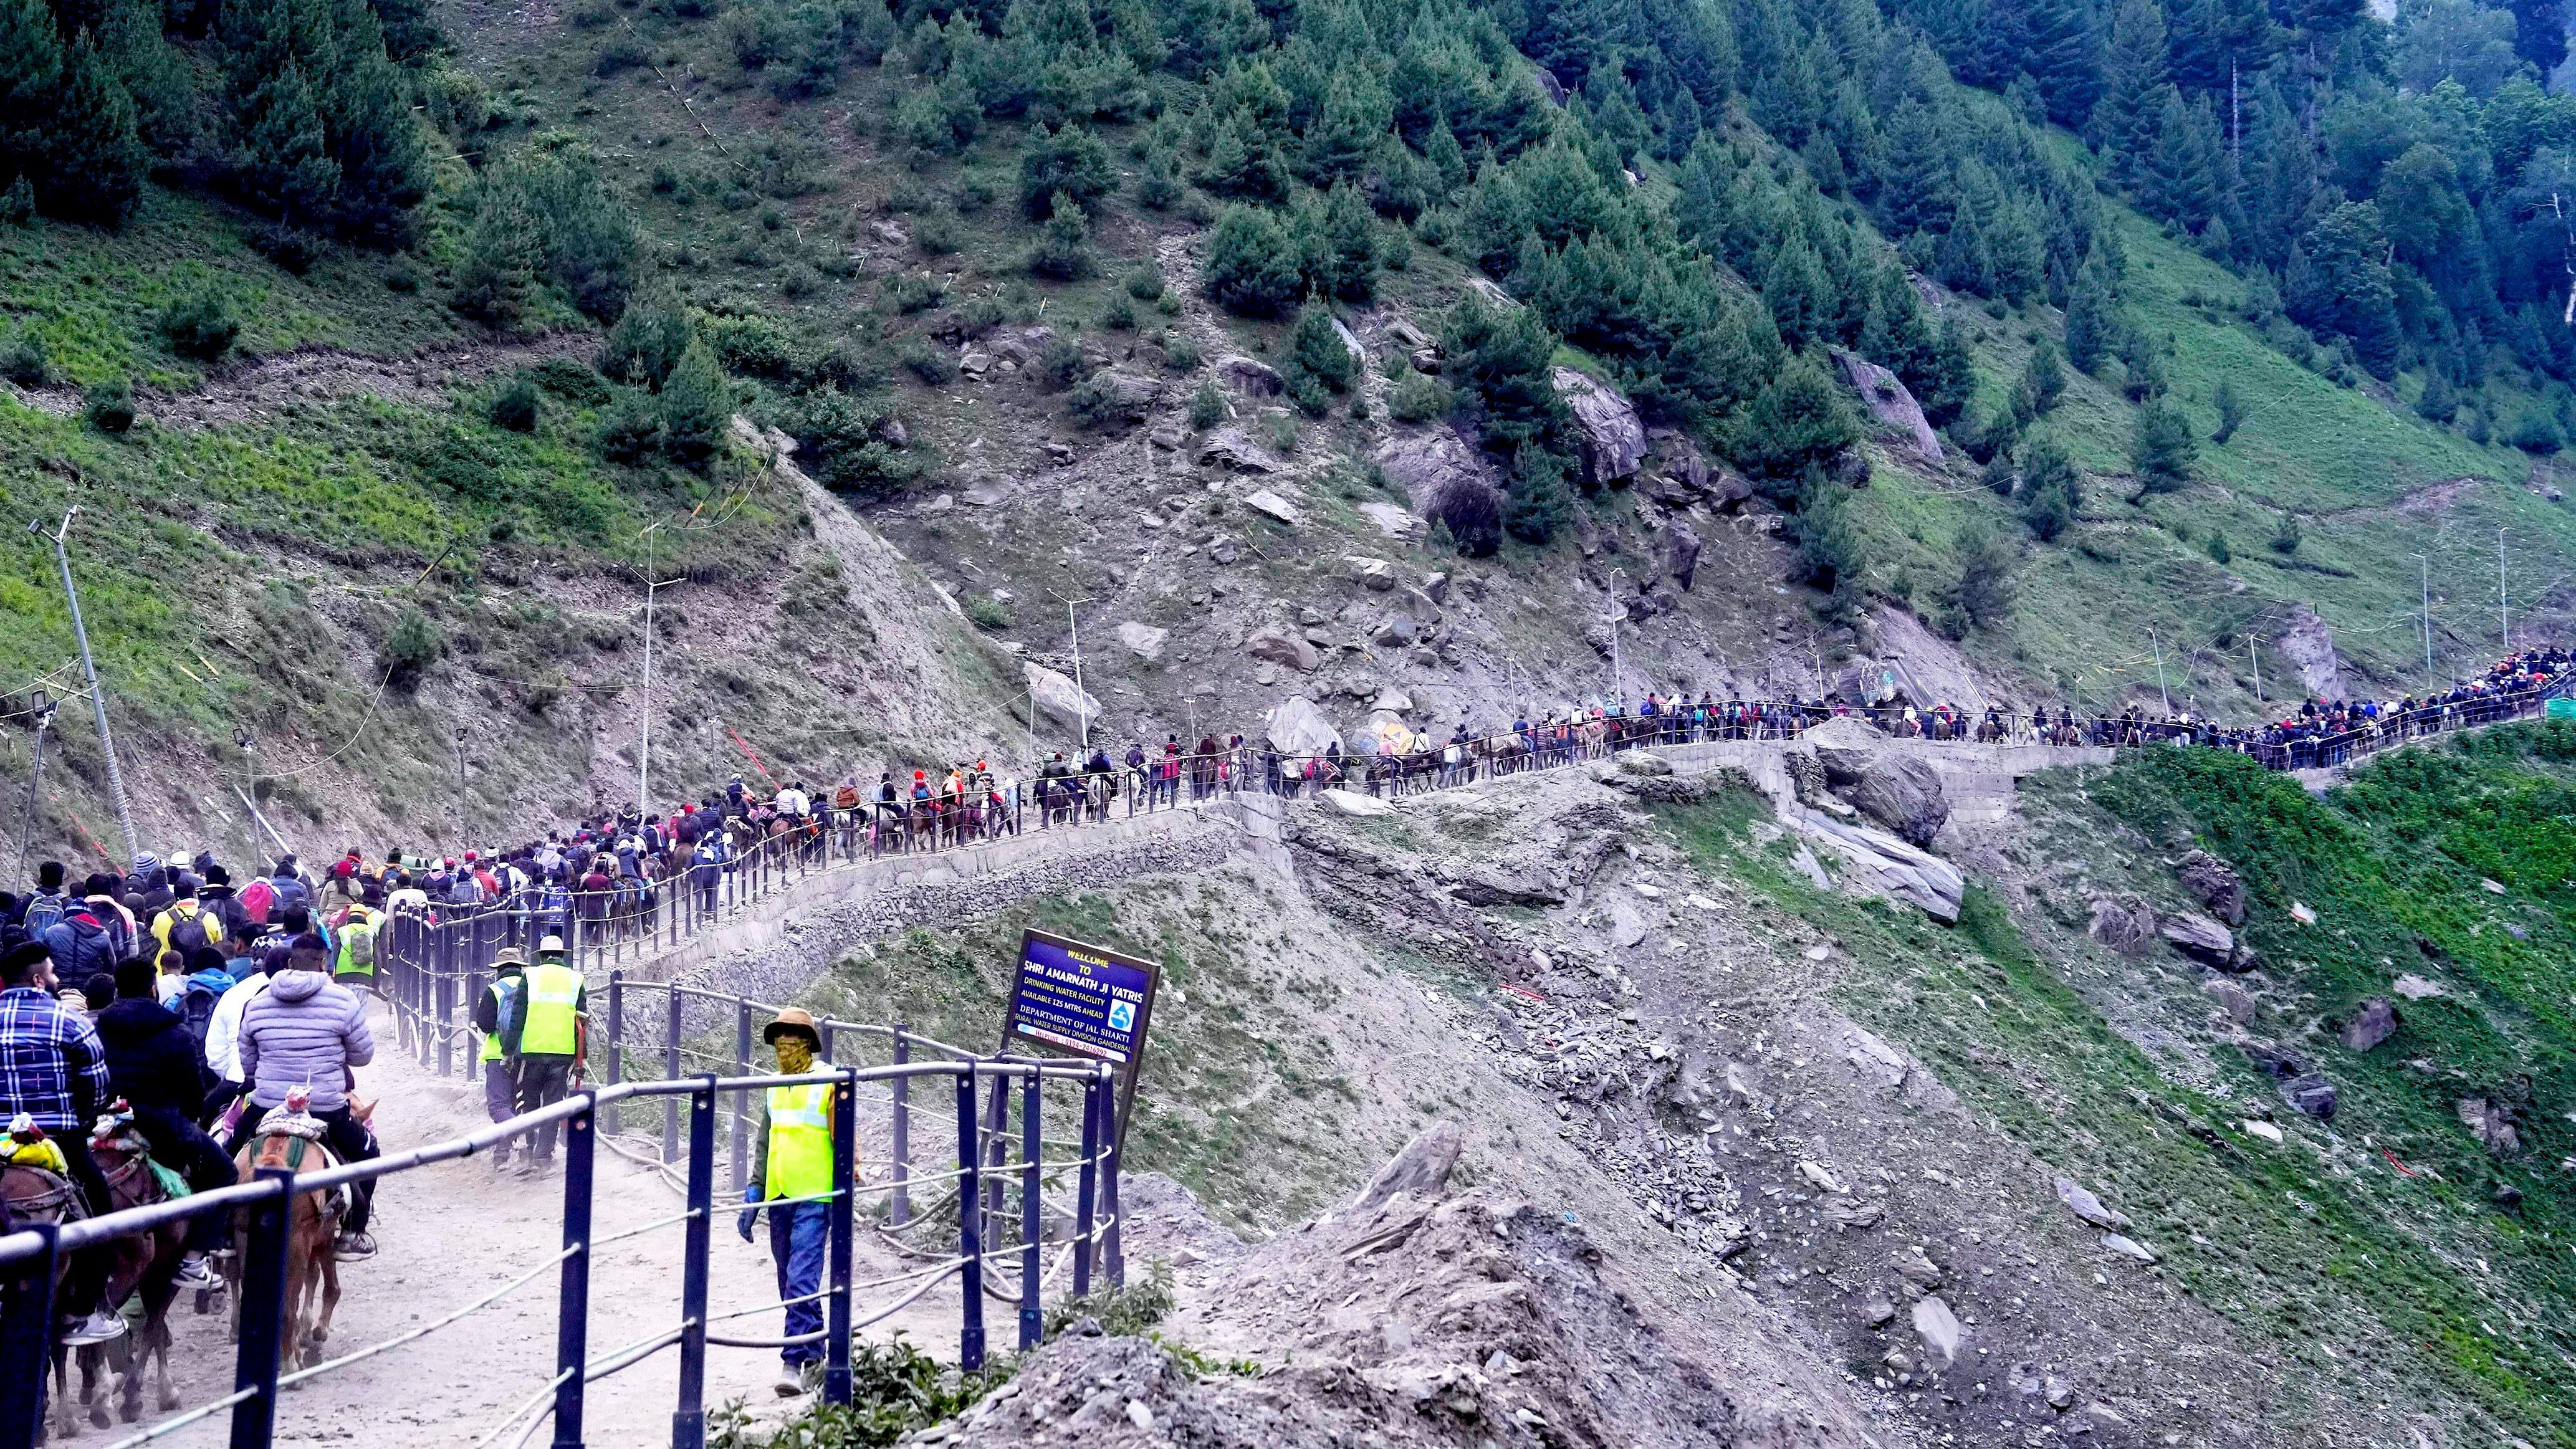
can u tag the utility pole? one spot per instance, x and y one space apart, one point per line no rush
460 782
1618 669
2504 620
644 743
89 668
2160 673
1081 715
42 704
2424 575
2255 659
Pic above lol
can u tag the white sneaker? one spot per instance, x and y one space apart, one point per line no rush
195 1272
100 1327
790 1382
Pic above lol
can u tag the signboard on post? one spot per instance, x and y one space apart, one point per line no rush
1070 999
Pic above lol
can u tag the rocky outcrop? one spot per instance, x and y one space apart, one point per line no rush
1233 447
1882 863
1117 395
2206 941
1061 697
1295 726
2123 923
1903 794
1681 554
1279 646
2309 646
1250 376
1680 475
1445 478
1609 439
2217 884
2374 1022
1890 404
1143 640
2491 1122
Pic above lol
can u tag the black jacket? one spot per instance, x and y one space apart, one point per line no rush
152 1061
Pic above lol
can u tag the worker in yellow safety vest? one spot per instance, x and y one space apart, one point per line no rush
553 1038
792 1174
501 1015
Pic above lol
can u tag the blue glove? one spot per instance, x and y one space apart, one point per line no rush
750 1211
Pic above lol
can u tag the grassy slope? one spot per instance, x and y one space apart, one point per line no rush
2339 458
2320 1251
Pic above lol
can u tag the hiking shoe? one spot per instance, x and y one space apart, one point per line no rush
195 1272
100 1327
353 1247
791 1383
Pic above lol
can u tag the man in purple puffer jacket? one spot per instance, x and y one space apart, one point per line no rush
307 1031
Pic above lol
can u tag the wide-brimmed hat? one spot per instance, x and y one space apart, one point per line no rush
792 1019
509 956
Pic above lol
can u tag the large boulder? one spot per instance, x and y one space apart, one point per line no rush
2206 941
2217 884
1296 726
1890 404
2374 1022
2123 923
1445 478
1846 745
1250 376
1061 697
1609 439
1903 794
2491 1122
1143 640
1117 395
1681 553
1233 447
1279 646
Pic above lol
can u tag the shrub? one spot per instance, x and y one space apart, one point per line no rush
571 381
1064 245
1207 404
1280 431
1418 398
1145 284
1180 353
2051 489
936 234
910 292
2287 535
697 405
1065 162
631 430
2231 412
843 443
1252 265
200 325
409 650
644 346
1535 502
2536 432
25 361
1308 394
928 361
801 280
1316 350
111 405
515 406
1062 364
2216 547
749 346
1986 583
987 613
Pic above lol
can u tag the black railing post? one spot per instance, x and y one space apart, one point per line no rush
970 1224
26 1343
1114 1257
671 1073
1087 1181
1032 1270
447 1013
844 1215
740 1147
616 1044
263 1312
901 1211
572 1298
689 1420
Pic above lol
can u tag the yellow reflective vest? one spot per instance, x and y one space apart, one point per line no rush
800 1142
554 997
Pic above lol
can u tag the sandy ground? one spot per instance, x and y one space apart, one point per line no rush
452 1233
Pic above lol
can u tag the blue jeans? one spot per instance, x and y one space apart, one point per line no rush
798 1236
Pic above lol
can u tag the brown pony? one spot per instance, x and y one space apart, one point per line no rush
314 1222
144 1263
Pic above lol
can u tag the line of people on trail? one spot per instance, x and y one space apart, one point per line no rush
159 1018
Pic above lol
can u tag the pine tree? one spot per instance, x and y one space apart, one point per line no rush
284 163
2051 490
2092 321
1917 193
2540 33
504 246
2043 379
2133 83
31 75
2339 282
2162 451
95 163
2180 176
162 85
1348 247
1315 348
696 406
1795 427
1252 266
1064 243
2231 412
1535 501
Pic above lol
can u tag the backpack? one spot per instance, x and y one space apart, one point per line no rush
192 928
197 1002
511 1015
358 945
42 913
258 899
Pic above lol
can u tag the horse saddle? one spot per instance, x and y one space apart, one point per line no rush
292 1142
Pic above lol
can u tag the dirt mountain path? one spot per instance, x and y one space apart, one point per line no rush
451 1234
258 389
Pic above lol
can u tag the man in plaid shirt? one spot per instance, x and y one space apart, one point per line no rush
54 1069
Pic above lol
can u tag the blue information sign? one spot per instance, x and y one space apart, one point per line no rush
1085 1001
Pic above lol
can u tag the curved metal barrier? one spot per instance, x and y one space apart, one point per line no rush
988 1237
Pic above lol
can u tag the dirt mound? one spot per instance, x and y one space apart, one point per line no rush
1408 1318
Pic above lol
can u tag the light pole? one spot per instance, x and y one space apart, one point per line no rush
644 743
1618 668
2504 620
2424 577
42 704
98 695
2160 673
1081 715
461 824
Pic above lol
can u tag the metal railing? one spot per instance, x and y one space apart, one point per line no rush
263 1212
